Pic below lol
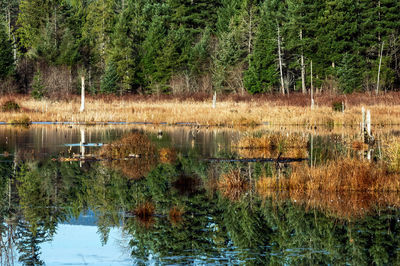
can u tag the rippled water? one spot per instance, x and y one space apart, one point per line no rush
124 195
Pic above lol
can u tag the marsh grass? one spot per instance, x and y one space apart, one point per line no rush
134 155
344 205
167 155
229 111
233 185
271 145
20 120
345 174
359 145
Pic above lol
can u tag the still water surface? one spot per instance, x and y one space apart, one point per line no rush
69 198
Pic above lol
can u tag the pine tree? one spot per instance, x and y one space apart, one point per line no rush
125 51
263 75
6 54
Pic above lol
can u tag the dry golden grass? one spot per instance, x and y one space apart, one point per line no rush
345 205
342 175
359 146
232 185
167 155
270 145
133 145
227 112
391 151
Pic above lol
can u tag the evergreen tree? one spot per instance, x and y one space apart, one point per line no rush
263 74
6 54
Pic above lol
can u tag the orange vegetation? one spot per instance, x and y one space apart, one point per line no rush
232 185
175 215
145 214
134 155
271 145
342 175
345 205
167 155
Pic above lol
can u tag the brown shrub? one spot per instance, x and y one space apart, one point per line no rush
233 184
167 155
175 215
145 214
134 155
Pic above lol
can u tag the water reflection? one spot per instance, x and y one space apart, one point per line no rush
168 205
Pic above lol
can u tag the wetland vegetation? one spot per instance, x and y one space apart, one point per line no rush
170 203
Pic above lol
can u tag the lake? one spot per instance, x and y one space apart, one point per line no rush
158 194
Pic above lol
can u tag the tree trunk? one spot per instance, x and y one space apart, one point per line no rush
303 67
280 59
312 89
250 32
379 69
83 95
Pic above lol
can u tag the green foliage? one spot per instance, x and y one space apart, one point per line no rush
10 106
349 73
6 54
338 106
38 89
109 82
148 45
263 75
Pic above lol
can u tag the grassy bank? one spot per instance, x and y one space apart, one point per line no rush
229 111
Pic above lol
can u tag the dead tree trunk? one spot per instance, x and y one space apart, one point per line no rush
280 59
303 67
83 95
379 69
312 89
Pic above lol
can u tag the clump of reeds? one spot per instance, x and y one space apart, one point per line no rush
145 214
134 155
175 215
20 120
392 154
270 145
167 155
359 146
132 145
233 184
342 175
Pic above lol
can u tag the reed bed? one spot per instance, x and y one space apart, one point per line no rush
272 145
134 155
344 205
228 112
351 175
233 185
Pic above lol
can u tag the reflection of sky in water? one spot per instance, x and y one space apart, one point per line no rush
81 245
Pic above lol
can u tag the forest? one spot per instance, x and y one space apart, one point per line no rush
198 46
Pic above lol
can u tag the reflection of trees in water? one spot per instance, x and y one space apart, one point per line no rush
250 229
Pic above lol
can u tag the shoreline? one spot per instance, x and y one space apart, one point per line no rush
227 113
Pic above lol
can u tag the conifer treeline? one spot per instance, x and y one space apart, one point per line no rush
176 46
